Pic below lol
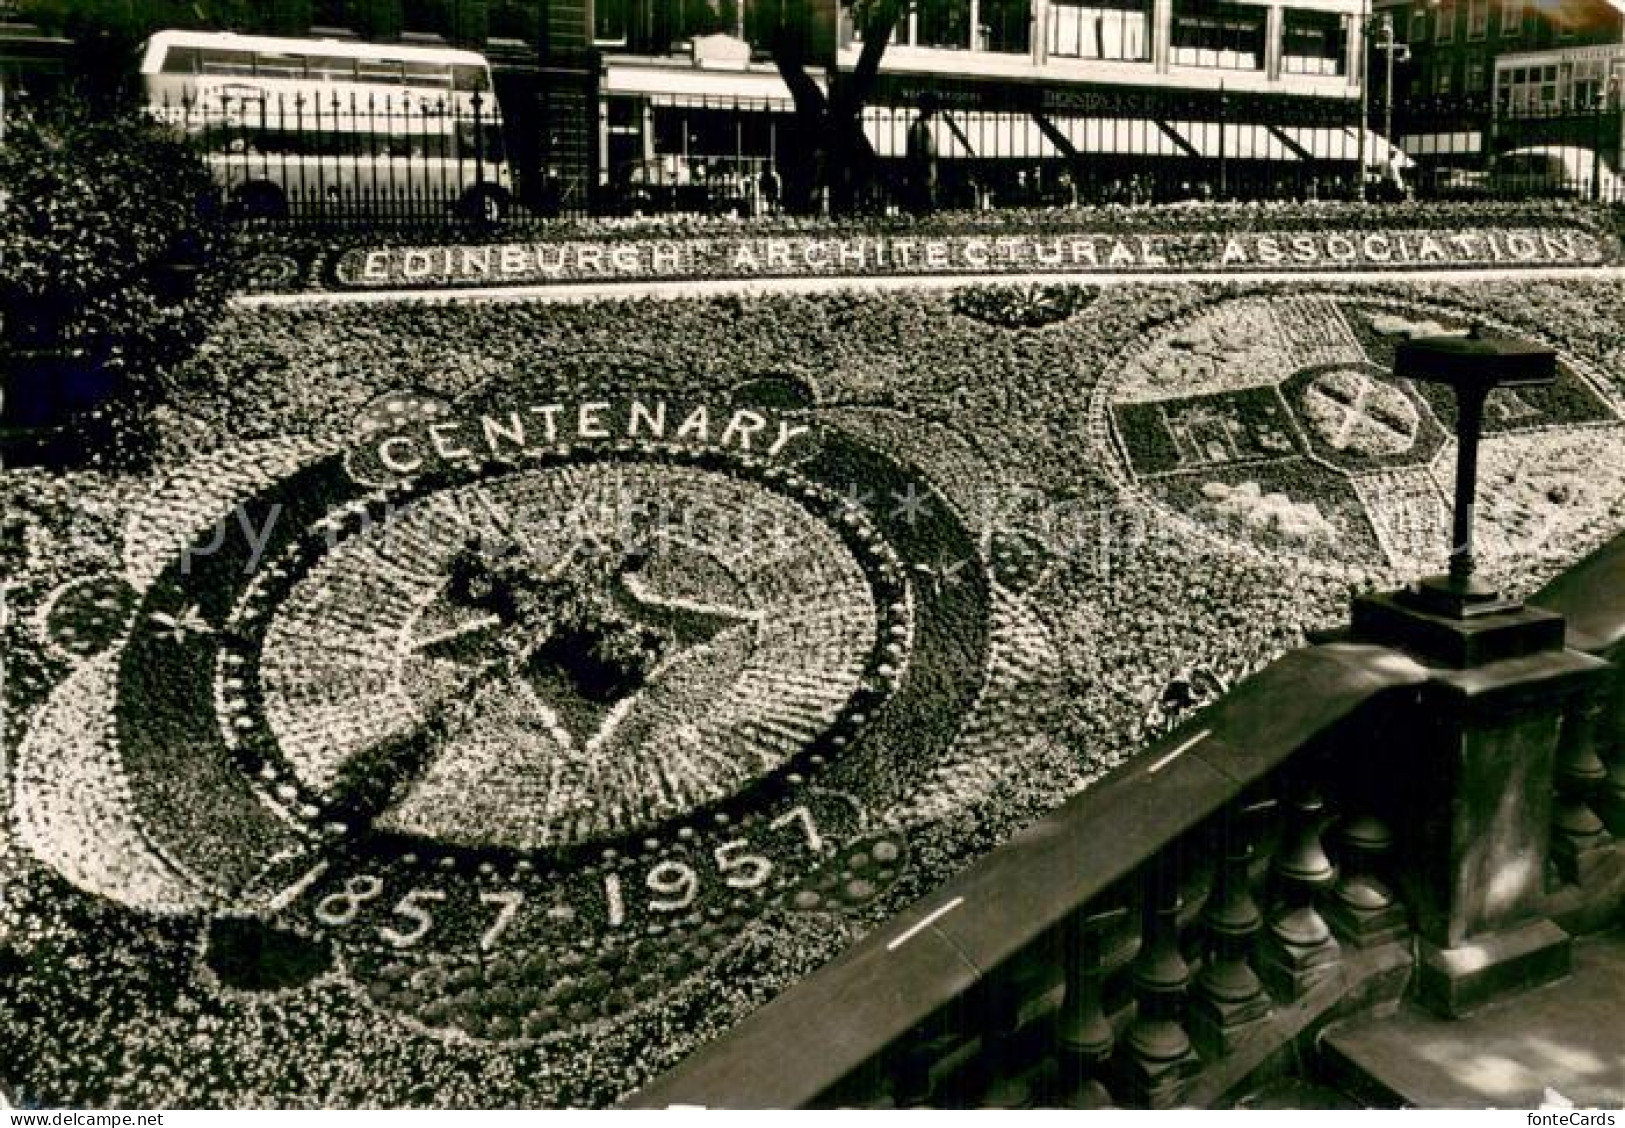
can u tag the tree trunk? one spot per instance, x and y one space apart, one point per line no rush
833 153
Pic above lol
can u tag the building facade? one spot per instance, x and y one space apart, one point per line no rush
608 97
1487 76
1194 95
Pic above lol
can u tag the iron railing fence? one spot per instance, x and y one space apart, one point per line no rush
332 158
390 162
1469 148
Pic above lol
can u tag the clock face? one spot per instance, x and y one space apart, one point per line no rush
570 655
518 744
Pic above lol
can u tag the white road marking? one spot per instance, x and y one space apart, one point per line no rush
923 923
1178 752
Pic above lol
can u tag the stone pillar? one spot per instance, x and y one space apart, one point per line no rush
1162 31
1040 33
1474 790
1274 38
1354 62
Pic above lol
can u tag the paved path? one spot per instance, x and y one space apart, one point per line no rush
602 291
1564 1042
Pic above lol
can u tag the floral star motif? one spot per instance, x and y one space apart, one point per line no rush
856 500
947 572
180 627
913 504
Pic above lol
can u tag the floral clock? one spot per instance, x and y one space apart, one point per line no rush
512 716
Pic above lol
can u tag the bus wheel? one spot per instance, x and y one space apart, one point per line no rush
262 201
484 205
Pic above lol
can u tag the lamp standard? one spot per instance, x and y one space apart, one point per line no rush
1361 193
1377 34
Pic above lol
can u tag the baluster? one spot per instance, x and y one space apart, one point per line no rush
1160 1060
1300 951
1363 909
1581 839
911 1073
1083 1034
1230 1001
1610 803
1005 1084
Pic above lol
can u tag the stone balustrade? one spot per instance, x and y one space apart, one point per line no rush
1354 824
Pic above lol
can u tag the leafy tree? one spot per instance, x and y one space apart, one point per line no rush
113 248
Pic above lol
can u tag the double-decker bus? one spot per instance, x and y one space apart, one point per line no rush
307 125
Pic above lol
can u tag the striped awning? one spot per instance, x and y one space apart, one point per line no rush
1137 137
1237 141
698 88
961 134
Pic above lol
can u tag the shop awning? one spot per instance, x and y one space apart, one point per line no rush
698 88
1342 143
1236 141
979 135
1136 137
961 134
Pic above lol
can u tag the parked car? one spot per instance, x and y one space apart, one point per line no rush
1458 183
1554 170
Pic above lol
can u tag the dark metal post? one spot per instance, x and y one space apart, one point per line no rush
479 140
1470 406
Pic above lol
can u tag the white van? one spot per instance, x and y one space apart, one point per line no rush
1555 170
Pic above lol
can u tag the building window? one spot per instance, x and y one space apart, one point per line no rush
1587 83
429 17
1215 34
332 14
1445 30
943 25
1313 43
1441 81
1477 79
1528 90
514 19
1511 18
1478 18
1419 24
1116 29
609 21
1006 26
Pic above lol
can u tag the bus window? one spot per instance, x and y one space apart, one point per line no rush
385 71
330 68
267 65
469 78
216 61
427 74
181 60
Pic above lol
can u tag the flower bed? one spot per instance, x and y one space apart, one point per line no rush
474 707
